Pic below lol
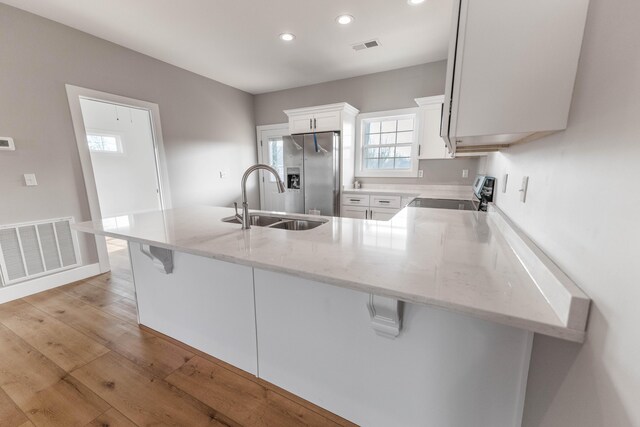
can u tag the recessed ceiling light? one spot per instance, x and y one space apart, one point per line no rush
415 1
345 19
287 37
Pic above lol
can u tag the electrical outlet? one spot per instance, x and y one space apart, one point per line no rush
465 173
420 173
523 189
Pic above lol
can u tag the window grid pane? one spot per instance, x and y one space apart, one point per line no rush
387 143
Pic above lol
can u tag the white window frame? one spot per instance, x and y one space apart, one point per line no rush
362 119
115 135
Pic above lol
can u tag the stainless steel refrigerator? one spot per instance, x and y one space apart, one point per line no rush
312 173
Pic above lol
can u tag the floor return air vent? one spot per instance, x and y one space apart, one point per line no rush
34 249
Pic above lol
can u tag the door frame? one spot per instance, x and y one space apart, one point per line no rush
74 95
259 138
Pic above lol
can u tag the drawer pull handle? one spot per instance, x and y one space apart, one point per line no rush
384 201
355 200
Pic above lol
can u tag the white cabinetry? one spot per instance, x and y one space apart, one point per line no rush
340 117
324 118
358 212
510 71
379 207
431 144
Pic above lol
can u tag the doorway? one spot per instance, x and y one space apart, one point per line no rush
122 156
271 152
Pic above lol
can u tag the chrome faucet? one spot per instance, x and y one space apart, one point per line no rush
244 218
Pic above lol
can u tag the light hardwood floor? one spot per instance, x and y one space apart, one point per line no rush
75 356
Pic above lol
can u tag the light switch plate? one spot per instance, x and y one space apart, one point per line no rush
420 173
523 189
7 143
30 179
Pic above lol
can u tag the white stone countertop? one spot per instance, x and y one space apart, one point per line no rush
457 260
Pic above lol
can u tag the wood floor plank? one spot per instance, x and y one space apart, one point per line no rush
44 392
248 403
111 418
93 295
143 398
124 309
88 319
62 344
158 356
10 414
67 403
111 282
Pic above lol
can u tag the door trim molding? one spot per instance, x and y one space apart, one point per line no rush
74 94
264 128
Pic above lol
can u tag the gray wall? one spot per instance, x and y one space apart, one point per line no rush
207 126
374 92
582 210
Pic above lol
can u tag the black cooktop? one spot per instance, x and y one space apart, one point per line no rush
462 205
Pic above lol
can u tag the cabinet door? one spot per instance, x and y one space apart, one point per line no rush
358 212
432 146
301 124
383 214
329 121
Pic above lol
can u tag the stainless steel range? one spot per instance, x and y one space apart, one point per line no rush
482 195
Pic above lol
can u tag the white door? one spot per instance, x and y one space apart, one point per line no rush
271 152
123 156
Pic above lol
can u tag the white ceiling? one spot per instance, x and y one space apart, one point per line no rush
236 41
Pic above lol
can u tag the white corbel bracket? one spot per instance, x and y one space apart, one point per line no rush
386 315
159 255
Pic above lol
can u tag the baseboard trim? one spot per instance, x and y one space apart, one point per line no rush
30 287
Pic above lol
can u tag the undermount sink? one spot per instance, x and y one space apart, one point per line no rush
280 222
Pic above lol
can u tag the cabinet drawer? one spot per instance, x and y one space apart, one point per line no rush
355 200
385 201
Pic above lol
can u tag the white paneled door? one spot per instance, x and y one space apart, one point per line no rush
271 152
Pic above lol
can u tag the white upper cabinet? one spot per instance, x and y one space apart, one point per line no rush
324 118
511 70
431 144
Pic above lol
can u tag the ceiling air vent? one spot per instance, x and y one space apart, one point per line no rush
366 45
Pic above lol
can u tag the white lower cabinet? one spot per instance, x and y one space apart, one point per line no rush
382 214
444 369
379 207
358 212
205 303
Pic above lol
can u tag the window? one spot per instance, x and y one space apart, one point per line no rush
103 143
386 143
276 156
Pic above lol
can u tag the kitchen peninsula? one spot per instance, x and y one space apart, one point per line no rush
381 322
